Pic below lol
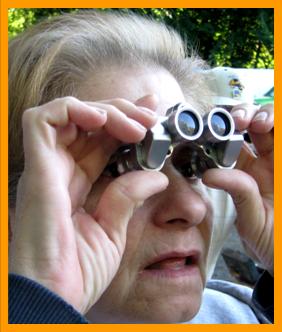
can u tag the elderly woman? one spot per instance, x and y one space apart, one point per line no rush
87 247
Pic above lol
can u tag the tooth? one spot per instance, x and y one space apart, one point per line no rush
170 263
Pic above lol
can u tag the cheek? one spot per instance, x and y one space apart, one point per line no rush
135 232
136 243
123 287
134 251
206 226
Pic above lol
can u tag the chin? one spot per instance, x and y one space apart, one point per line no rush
149 311
170 313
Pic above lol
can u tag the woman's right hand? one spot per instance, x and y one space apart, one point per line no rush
67 144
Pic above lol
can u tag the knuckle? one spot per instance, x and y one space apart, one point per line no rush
67 100
61 101
119 100
122 103
251 185
112 108
70 99
268 108
29 115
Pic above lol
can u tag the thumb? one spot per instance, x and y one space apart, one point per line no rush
245 193
122 197
254 213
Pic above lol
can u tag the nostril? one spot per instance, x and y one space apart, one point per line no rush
182 204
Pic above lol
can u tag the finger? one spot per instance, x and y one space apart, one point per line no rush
263 120
62 111
246 197
262 131
264 143
148 101
140 113
44 121
122 197
254 220
246 157
253 117
135 115
79 188
120 126
77 147
92 157
259 123
243 115
67 135
96 154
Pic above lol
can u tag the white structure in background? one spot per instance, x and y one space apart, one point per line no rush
259 81
231 86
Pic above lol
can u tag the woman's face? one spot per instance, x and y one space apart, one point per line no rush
162 273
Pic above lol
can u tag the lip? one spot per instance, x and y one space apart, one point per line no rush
191 269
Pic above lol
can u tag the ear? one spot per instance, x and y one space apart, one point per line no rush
149 101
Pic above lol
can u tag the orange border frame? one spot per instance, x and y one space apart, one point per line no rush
5 4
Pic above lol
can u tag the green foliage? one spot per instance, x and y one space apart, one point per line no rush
224 37
21 18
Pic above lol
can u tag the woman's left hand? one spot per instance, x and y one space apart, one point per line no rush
251 183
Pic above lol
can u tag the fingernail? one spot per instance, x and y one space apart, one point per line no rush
137 124
260 116
147 111
239 114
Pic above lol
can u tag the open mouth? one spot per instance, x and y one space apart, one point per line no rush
174 263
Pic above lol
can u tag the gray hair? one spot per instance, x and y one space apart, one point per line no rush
56 57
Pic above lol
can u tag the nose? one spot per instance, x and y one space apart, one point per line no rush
183 204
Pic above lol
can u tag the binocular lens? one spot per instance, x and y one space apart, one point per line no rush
220 124
188 123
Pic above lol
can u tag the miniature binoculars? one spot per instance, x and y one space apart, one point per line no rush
194 143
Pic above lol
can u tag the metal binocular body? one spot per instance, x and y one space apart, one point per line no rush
194 143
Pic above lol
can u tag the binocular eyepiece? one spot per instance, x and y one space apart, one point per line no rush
185 123
193 142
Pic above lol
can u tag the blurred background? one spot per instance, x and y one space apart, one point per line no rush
241 38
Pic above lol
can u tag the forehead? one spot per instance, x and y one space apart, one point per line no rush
132 84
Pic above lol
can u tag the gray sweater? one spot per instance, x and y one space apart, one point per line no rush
228 303
223 303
